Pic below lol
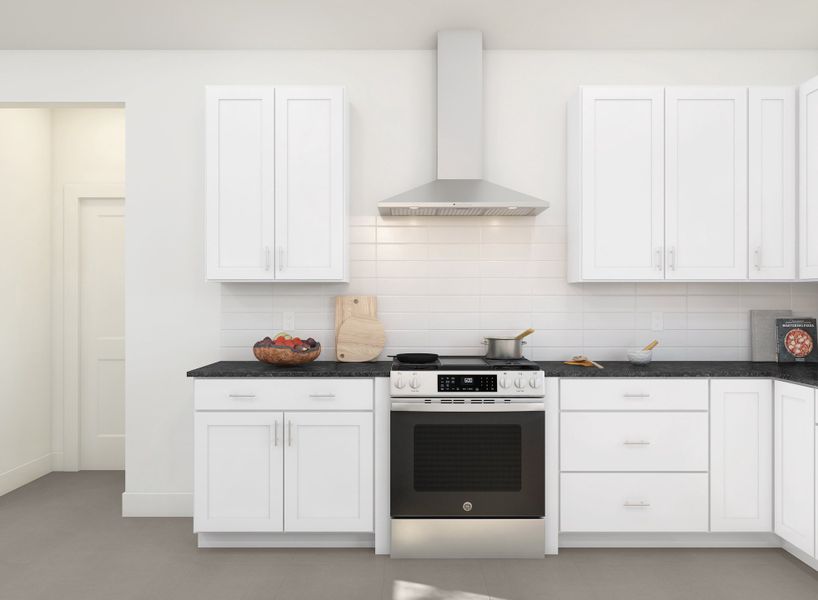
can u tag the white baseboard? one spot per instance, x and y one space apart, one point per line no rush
157 504
286 540
801 555
669 540
25 473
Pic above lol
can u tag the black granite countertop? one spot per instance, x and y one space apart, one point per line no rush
797 373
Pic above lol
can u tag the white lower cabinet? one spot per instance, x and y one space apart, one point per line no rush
741 455
795 465
328 482
238 473
633 502
282 470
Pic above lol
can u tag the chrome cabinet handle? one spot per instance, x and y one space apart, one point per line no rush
289 433
636 504
266 258
672 253
322 395
636 395
275 433
242 396
659 258
280 258
636 443
757 254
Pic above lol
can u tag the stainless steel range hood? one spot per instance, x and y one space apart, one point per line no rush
460 189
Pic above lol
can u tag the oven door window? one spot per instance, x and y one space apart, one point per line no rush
492 462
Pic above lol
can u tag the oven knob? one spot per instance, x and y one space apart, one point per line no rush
534 381
415 382
399 383
518 383
504 381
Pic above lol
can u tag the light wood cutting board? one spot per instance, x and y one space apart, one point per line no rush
359 336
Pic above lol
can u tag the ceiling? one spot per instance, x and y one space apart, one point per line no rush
407 24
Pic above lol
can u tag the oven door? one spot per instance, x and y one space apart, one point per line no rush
486 461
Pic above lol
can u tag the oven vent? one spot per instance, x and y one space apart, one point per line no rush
482 401
452 401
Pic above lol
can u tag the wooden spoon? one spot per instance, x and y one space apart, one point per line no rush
651 346
525 333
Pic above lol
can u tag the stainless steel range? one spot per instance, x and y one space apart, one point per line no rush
467 458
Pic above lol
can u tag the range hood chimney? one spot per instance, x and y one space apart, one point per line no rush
460 189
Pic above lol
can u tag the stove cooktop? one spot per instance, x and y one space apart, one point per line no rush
467 363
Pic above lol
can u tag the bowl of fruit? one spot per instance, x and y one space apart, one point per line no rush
285 349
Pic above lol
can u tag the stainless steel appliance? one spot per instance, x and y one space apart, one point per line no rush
467 458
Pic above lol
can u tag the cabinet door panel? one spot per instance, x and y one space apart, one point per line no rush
772 183
622 183
808 179
239 182
310 183
741 451
328 472
706 183
238 472
794 464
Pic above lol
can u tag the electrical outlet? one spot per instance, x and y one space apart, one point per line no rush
289 321
657 321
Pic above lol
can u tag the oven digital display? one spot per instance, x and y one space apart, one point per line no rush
467 383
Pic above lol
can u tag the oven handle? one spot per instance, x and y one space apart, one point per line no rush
463 408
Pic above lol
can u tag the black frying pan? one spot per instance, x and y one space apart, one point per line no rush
416 358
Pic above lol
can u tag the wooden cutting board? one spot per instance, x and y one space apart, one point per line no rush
359 336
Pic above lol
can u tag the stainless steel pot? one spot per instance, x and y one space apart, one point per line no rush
503 348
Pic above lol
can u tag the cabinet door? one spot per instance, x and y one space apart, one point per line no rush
238 474
771 139
706 183
622 183
741 451
808 179
240 211
328 472
794 464
310 183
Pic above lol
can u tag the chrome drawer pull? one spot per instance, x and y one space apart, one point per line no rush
636 443
322 395
636 395
275 434
636 504
240 396
289 433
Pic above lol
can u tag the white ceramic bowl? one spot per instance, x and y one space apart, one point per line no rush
640 357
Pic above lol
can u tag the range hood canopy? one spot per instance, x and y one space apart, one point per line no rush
460 189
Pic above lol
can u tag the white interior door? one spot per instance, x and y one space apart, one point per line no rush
310 183
706 183
328 472
102 333
622 183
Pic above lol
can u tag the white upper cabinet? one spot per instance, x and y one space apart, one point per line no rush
771 191
616 169
741 455
276 183
795 464
706 183
808 179
240 210
310 183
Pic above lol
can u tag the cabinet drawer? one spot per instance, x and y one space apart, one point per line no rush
283 394
633 441
633 394
617 502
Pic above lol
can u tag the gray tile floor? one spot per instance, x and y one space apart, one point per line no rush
61 538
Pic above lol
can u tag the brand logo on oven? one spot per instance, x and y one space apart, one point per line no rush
467 506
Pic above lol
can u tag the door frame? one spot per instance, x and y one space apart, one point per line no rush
66 350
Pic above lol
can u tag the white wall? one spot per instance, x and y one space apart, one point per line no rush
174 317
25 245
87 147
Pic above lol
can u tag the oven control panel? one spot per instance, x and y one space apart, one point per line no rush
467 383
441 384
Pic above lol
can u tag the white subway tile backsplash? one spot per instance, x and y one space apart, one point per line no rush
443 284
